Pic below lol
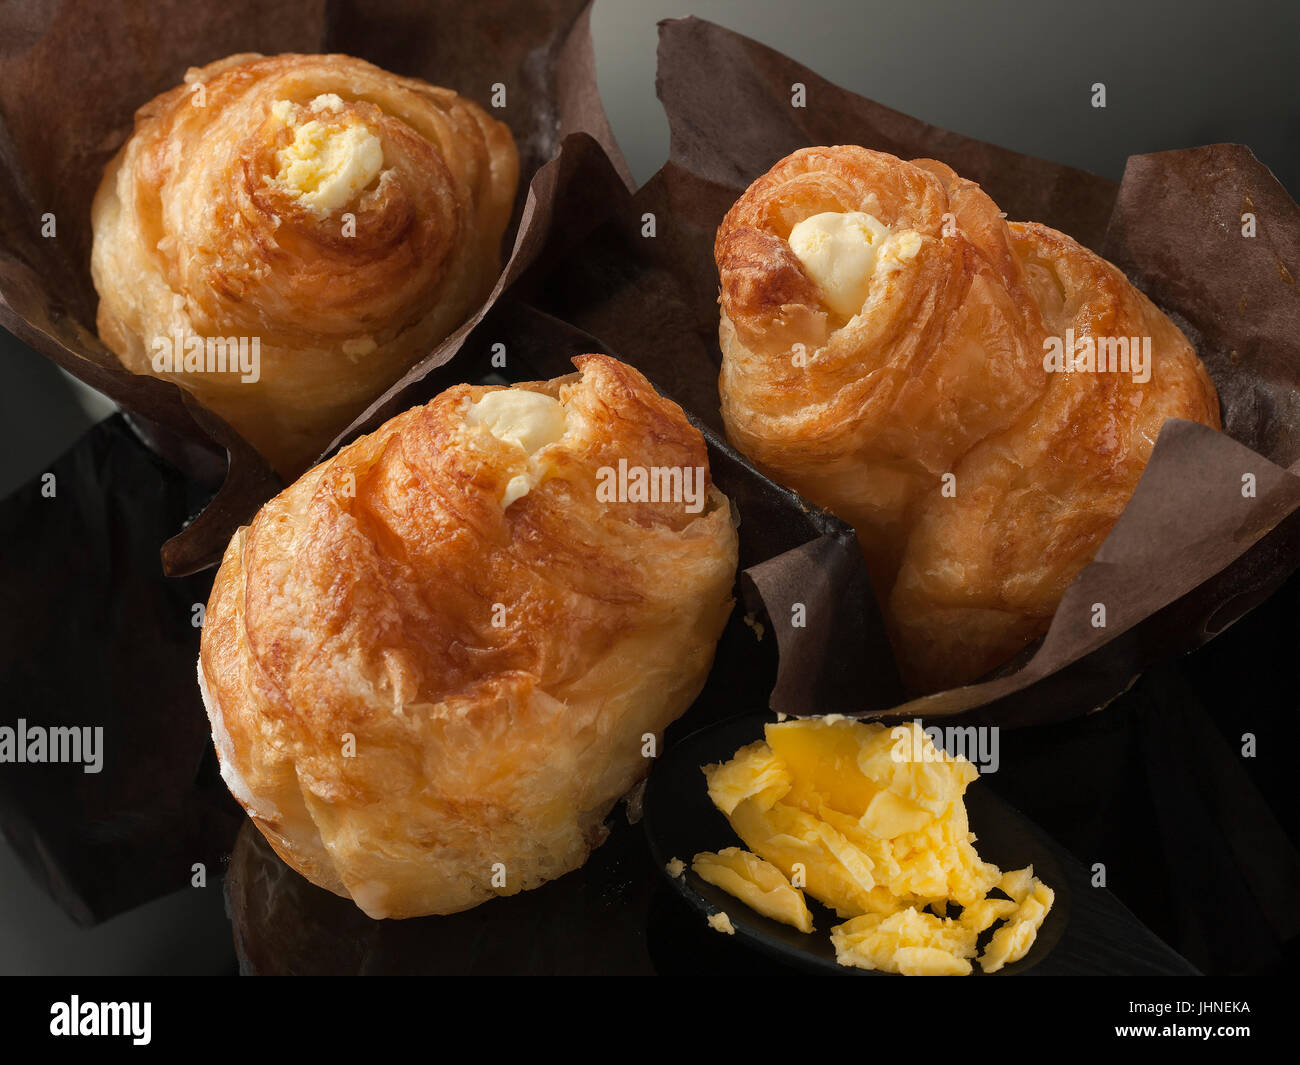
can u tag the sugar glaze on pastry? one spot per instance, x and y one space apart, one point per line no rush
883 332
343 218
496 650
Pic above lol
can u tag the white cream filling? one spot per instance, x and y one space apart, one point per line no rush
843 251
326 164
528 420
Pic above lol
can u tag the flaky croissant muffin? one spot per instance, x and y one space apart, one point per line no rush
331 219
890 350
431 664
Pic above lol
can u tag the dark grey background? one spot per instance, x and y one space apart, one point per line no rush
1020 74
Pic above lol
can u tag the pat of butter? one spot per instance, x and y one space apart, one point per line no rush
758 884
898 249
838 250
528 420
327 164
516 488
843 251
876 822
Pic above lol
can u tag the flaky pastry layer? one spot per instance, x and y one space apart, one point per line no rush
942 372
229 214
424 698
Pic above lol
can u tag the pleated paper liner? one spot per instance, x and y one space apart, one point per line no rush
72 74
1191 553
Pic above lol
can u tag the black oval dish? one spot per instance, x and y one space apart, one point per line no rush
680 821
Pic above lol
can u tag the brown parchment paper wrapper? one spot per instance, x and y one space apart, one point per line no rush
72 74
1190 554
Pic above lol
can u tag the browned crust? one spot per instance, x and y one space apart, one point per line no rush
193 232
496 667
943 374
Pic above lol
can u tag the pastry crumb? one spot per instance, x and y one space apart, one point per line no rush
675 867
756 625
720 922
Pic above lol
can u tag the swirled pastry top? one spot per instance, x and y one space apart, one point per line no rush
338 219
497 656
885 335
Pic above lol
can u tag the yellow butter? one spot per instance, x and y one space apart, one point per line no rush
985 913
527 420
758 884
838 251
796 841
1018 883
754 773
908 941
905 762
872 823
1012 941
720 922
822 763
844 251
327 164
929 961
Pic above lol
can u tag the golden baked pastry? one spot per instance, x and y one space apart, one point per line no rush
336 219
890 352
431 664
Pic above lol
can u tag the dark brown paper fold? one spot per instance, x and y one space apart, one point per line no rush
730 116
72 74
1177 230
1190 554
92 635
